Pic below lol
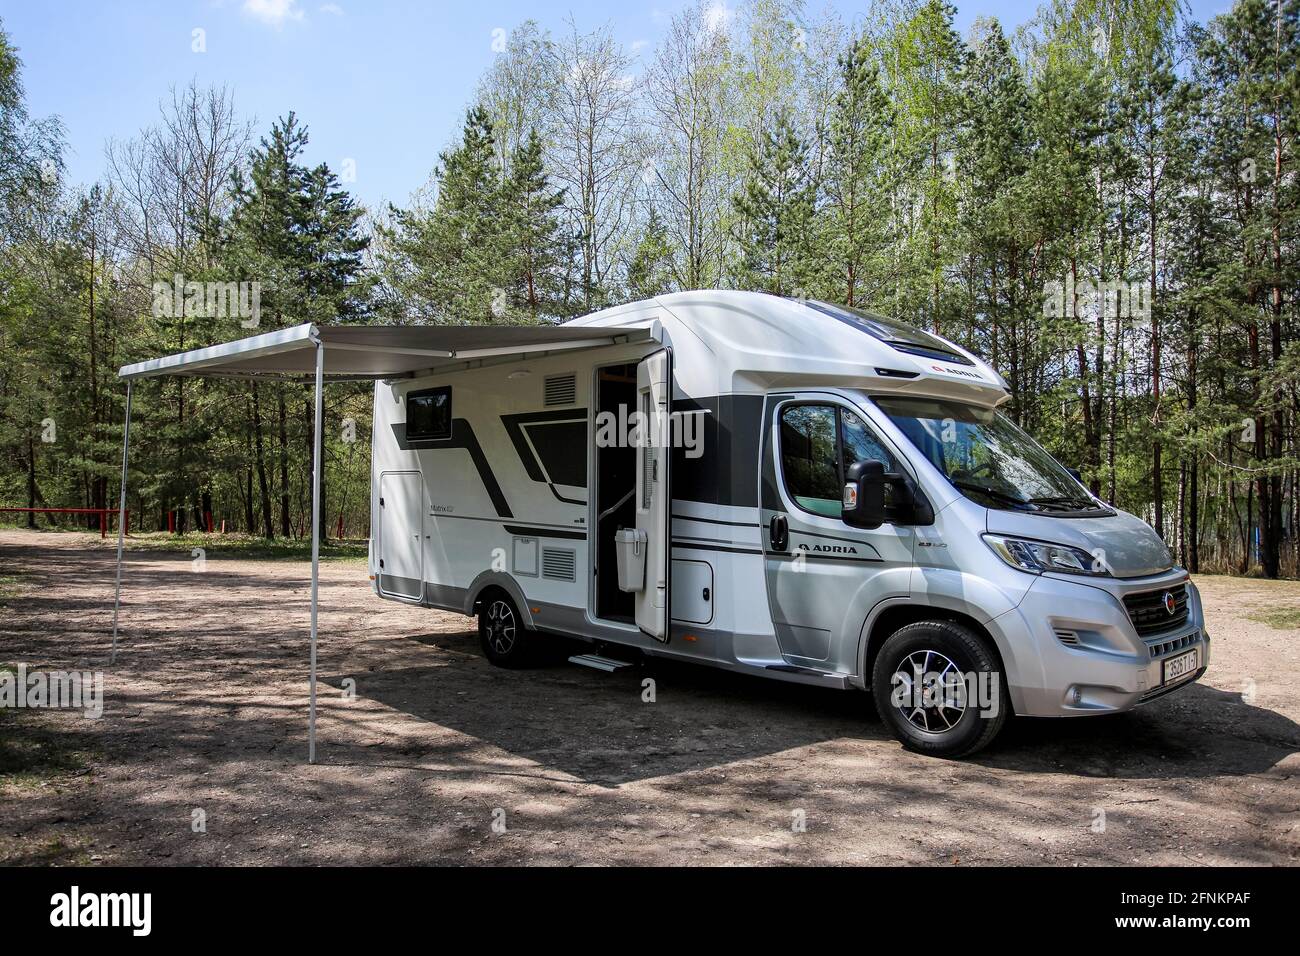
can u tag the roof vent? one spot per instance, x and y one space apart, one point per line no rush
560 390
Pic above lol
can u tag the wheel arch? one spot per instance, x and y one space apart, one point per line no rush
488 580
889 616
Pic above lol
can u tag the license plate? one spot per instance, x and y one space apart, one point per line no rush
1176 668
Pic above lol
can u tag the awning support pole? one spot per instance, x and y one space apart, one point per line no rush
121 518
315 543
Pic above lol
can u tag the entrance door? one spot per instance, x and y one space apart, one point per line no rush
654 393
401 554
823 576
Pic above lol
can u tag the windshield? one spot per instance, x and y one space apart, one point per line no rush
986 457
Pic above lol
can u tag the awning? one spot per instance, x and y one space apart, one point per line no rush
377 351
351 353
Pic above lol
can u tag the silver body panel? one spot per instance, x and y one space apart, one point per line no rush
492 513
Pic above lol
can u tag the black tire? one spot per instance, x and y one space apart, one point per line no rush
942 730
505 640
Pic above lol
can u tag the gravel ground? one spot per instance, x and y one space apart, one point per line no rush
200 756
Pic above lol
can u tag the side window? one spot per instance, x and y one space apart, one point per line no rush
428 414
808 458
818 443
861 443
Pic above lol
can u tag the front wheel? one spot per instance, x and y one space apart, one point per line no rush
938 686
505 640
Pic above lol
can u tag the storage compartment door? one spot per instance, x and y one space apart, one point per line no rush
401 555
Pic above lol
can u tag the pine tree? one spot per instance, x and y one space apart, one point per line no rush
774 209
930 54
650 272
535 241
854 228
451 264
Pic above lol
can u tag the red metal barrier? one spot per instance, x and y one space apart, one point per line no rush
102 512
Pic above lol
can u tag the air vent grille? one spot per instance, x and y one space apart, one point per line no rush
559 564
560 390
1067 637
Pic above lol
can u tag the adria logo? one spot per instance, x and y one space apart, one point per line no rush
955 371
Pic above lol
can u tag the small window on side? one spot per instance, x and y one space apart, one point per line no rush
428 414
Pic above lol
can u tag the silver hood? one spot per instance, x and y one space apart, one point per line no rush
1128 545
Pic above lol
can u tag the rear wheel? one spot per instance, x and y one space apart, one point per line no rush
506 642
939 687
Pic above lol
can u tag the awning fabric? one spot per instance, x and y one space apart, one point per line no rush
344 353
376 351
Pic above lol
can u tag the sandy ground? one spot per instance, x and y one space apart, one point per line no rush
205 719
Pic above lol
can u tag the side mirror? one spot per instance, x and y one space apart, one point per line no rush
1076 475
864 495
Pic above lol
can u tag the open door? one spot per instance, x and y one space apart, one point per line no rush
654 393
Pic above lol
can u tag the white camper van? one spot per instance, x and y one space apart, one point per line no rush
790 489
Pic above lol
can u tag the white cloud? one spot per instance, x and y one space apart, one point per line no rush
636 46
717 16
332 8
273 12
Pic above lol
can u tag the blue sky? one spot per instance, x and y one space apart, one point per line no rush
382 83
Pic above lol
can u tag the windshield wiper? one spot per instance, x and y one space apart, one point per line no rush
985 490
1064 501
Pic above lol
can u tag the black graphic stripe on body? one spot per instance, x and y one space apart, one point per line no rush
462 436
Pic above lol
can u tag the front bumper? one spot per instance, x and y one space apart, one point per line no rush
1077 652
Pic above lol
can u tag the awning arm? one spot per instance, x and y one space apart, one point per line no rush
315 540
121 518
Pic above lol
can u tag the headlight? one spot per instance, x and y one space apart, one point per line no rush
1039 556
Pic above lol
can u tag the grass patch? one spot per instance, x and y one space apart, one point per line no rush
1282 618
10 588
247 546
55 851
32 753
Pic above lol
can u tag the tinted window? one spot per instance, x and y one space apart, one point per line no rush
817 443
562 448
986 457
428 414
900 335
860 444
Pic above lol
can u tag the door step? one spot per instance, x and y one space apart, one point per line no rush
598 662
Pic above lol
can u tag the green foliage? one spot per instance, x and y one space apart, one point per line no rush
963 184
775 210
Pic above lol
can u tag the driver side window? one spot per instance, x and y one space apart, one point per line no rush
818 443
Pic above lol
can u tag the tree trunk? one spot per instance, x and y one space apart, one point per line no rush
284 461
263 485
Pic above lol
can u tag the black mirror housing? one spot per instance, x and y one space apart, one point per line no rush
873 496
864 495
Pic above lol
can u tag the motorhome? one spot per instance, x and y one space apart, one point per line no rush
785 488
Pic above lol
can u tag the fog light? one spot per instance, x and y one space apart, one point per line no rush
1076 696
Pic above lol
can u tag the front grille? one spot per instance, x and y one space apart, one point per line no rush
1146 609
1160 648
